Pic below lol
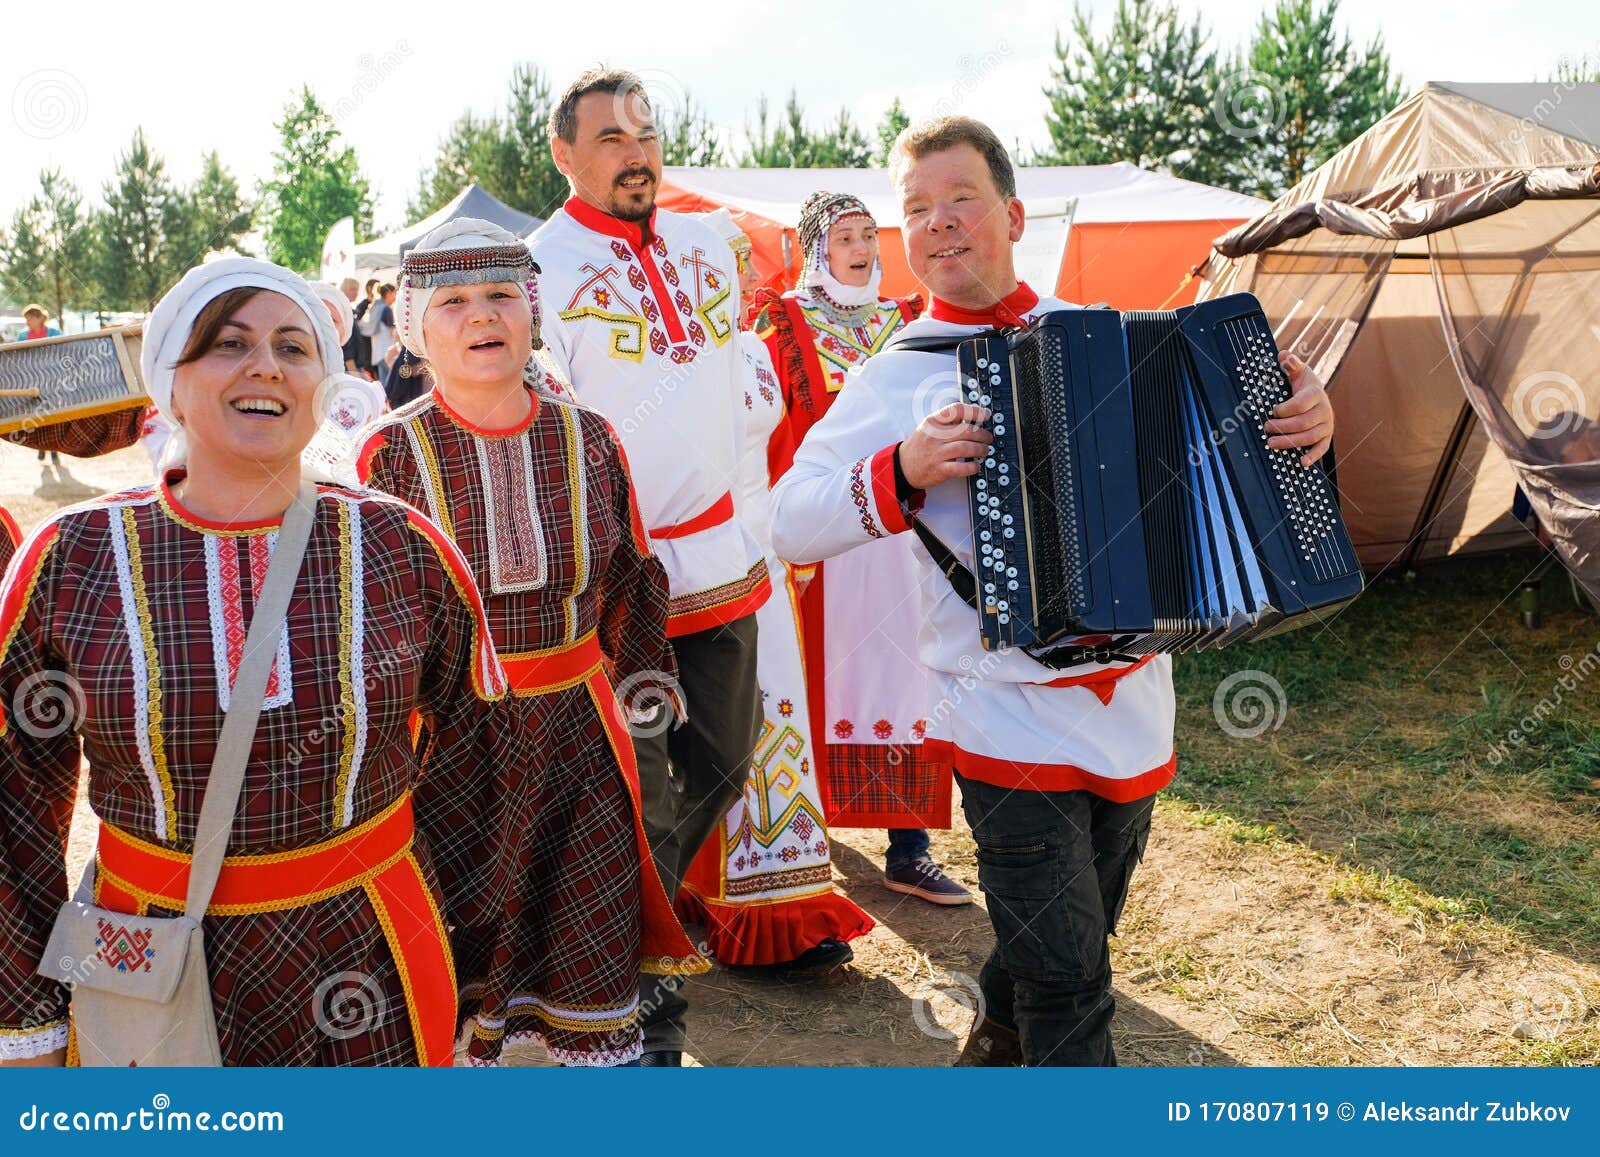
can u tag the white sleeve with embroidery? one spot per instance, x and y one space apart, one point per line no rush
840 491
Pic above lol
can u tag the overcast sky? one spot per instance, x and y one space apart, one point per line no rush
82 75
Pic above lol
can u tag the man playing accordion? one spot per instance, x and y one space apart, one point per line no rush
1058 768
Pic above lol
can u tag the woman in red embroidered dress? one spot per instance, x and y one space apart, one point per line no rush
122 623
556 904
868 694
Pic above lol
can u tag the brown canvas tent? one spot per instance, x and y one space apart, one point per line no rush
1452 249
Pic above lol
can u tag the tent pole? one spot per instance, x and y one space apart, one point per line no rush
1442 473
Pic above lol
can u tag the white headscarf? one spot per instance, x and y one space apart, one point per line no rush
444 257
167 329
344 318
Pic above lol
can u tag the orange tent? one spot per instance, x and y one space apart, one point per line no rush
1135 235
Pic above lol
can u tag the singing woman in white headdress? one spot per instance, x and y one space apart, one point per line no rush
552 890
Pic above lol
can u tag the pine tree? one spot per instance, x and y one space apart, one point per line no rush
316 180
791 145
1142 93
895 119
687 135
221 215
47 254
142 234
508 154
1582 69
469 154
1299 94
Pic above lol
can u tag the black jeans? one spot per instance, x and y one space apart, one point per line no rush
689 777
1055 867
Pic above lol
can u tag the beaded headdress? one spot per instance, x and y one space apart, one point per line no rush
465 251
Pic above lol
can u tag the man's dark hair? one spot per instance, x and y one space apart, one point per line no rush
563 121
941 133
372 283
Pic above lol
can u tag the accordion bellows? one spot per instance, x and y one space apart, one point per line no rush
1130 492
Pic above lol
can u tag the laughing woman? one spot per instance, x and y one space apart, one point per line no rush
553 895
324 942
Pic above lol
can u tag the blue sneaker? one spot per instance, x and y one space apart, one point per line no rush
926 880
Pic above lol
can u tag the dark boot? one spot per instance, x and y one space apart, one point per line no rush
991 1046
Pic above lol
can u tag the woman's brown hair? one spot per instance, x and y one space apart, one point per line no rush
212 318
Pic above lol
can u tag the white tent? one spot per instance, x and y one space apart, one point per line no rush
1134 234
387 252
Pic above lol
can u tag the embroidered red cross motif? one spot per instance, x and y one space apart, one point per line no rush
123 949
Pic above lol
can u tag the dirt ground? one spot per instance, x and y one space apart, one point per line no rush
1234 950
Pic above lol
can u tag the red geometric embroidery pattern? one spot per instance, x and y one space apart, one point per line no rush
648 306
658 341
622 251
696 333
919 729
670 272
659 246
883 729
685 306
803 827
122 949
844 729
636 277
683 355
858 495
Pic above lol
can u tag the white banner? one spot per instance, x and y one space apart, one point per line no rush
1044 242
339 251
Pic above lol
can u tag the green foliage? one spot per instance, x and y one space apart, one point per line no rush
143 234
1299 94
1142 93
687 135
508 154
46 255
895 119
1152 91
220 215
1583 69
316 180
792 144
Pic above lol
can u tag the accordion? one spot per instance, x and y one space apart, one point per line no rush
58 379
1129 492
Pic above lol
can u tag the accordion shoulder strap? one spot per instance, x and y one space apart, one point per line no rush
965 584
961 579
942 343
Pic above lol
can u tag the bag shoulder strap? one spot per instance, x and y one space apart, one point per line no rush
221 800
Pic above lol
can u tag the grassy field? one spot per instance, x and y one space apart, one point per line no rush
1402 749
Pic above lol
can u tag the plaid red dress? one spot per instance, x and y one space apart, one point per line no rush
122 622
554 900
87 437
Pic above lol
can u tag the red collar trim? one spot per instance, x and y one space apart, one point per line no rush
635 233
486 431
1010 310
186 517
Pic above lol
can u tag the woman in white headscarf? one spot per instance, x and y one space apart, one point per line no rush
869 694
764 888
553 894
123 623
